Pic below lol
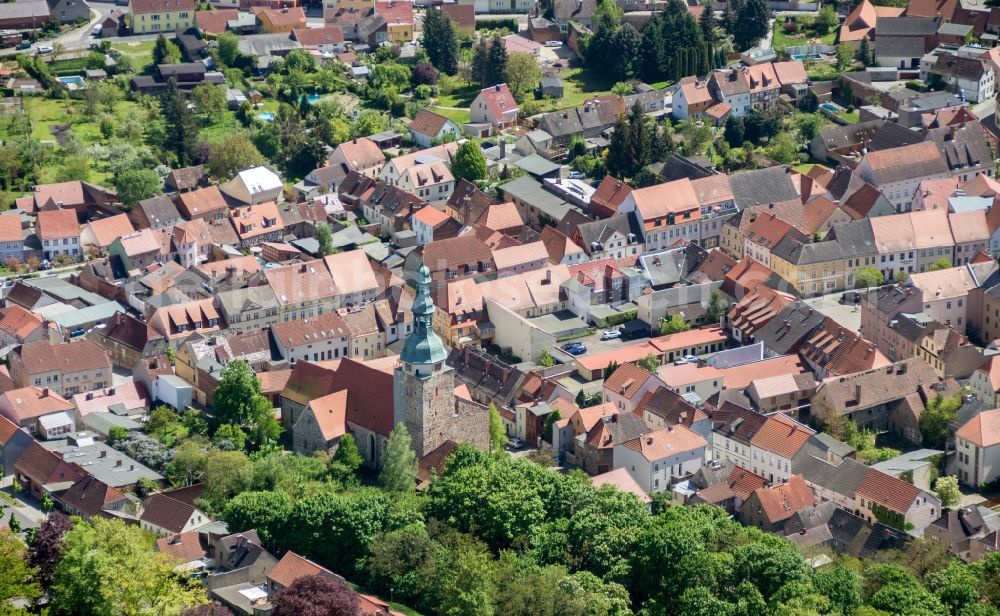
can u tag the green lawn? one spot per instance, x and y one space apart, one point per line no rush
45 113
140 52
578 86
819 71
458 116
802 37
852 116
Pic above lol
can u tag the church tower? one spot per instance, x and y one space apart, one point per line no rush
423 385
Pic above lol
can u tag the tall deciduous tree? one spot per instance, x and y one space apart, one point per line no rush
316 595
17 578
751 25
134 185
523 74
235 397
264 511
325 238
400 467
110 569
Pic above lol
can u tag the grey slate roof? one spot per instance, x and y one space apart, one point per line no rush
890 27
796 252
601 230
843 479
769 185
899 46
855 237
789 328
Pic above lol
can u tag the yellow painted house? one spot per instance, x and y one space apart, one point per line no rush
812 268
150 16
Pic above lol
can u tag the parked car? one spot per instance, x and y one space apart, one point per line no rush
24 45
515 443
96 30
611 334
576 175
850 297
691 359
553 44
45 49
575 348
79 331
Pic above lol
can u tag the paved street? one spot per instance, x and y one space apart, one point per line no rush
847 315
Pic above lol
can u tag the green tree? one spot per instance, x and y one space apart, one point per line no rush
187 466
865 52
523 74
400 467
347 453
496 62
134 185
752 23
706 23
209 99
264 511
469 163
868 277
649 363
845 55
233 154
940 264
325 238
939 412
109 569
181 130
441 41
545 359
230 437
227 473
673 325
235 397
841 586
553 417
17 579
827 19
229 49
901 277
946 488
166 51
783 148
498 435
718 305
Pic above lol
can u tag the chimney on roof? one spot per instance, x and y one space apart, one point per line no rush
111 391
118 463
45 392
901 368
497 87
104 454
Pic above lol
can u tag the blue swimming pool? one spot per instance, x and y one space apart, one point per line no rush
831 107
75 80
806 56
311 98
266 116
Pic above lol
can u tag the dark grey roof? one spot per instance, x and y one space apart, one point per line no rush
486 374
950 28
892 27
934 100
854 536
835 136
159 209
769 185
899 46
811 517
601 230
959 66
677 167
796 252
790 327
887 298
892 135
961 147
843 479
914 327
855 237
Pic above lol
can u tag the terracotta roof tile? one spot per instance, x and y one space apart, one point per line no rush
888 491
57 224
627 379
166 512
89 495
291 567
983 429
781 502
781 436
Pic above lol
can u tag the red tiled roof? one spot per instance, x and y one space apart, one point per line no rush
90 495
57 224
139 7
201 202
291 567
888 491
215 22
330 412
395 12
610 194
498 100
166 512
781 502
185 547
781 436
428 123
314 37
10 228
983 429
42 466
626 380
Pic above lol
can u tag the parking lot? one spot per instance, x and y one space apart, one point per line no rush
594 344
848 315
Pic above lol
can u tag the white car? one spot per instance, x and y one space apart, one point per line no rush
611 334
45 49
553 43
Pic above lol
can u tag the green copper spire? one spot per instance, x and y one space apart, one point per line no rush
423 346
